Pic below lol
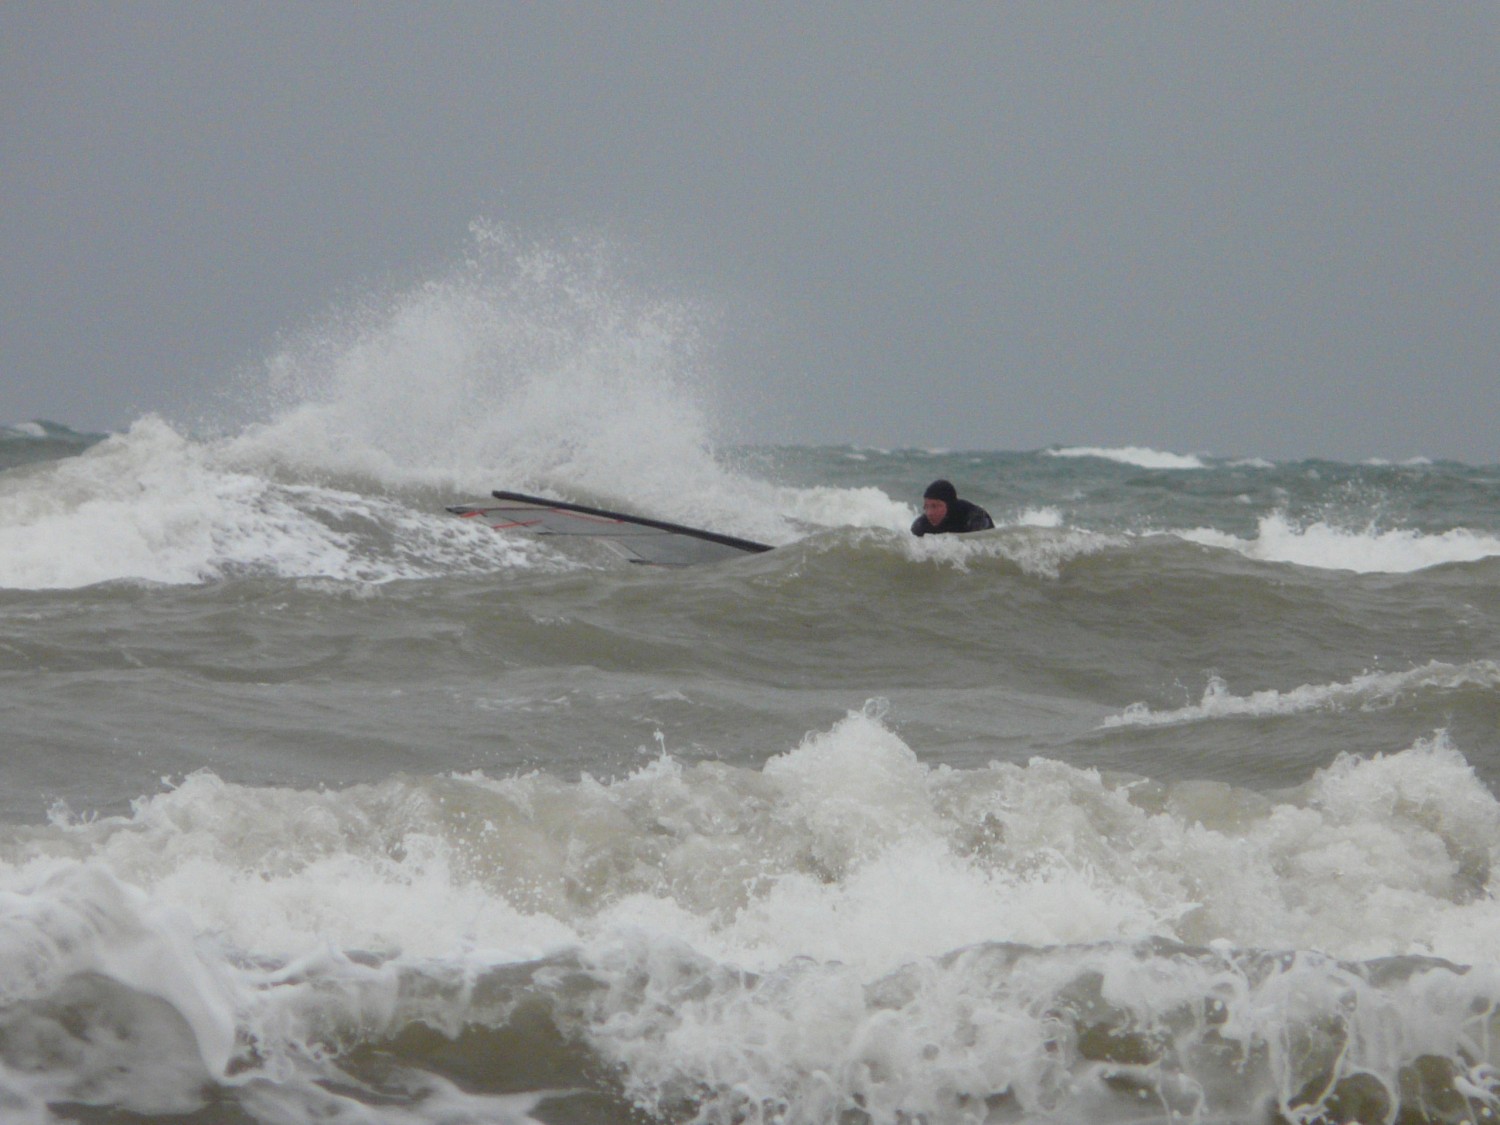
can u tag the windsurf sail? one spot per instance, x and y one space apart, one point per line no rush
641 540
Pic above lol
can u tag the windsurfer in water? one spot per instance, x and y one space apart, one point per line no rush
943 513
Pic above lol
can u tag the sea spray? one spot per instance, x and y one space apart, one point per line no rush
532 366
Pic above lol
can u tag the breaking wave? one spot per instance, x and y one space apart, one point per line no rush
844 930
1366 551
1138 456
1371 690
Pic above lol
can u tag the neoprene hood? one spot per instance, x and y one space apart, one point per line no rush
941 490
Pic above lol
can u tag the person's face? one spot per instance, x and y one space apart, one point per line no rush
935 511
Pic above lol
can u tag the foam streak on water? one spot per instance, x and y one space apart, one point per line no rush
1370 690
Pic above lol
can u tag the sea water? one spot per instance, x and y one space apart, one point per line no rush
1170 799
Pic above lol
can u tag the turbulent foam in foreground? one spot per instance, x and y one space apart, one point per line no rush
843 928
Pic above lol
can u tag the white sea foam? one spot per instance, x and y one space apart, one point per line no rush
1366 551
840 507
1370 690
154 505
151 505
1134 455
845 923
1039 546
801 857
1409 463
80 921
1039 517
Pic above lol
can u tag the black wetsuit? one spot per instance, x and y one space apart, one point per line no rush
962 516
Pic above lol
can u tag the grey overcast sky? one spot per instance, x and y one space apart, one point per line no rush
1242 228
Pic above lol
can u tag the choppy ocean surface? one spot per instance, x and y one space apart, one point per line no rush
1173 798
